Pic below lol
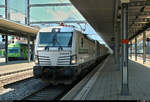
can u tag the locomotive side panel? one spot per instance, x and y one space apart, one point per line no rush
98 51
86 51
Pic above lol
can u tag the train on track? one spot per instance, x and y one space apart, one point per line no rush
63 53
17 51
2 52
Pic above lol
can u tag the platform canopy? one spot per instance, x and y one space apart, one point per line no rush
17 29
104 15
100 14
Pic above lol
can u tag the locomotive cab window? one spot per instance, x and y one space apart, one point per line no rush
13 50
55 39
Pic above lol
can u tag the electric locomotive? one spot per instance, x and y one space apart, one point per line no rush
63 53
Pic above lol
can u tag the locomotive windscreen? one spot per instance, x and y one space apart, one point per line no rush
13 50
59 39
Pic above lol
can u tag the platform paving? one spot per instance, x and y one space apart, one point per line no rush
108 83
15 66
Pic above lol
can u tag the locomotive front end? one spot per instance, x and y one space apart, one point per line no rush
55 58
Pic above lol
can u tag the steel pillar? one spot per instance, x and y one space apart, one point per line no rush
28 12
33 53
124 20
136 48
116 47
29 55
6 37
131 49
6 9
144 47
6 48
118 54
148 47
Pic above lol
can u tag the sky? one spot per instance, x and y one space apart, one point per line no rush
57 13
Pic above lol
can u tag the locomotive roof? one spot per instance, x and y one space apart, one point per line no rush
61 28
64 29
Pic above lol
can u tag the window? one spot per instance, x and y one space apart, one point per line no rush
55 39
13 50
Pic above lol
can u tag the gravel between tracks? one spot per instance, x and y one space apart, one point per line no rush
21 90
30 87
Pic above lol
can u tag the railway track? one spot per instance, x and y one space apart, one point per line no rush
35 89
52 92
13 83
48 93
32 89
21 89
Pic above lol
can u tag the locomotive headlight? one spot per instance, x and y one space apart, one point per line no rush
73 59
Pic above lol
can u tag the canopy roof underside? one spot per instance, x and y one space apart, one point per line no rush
13 28
104 15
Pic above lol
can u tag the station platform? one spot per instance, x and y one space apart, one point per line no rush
108 81
15 66
140 60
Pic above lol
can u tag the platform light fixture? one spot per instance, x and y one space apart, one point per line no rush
3 38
